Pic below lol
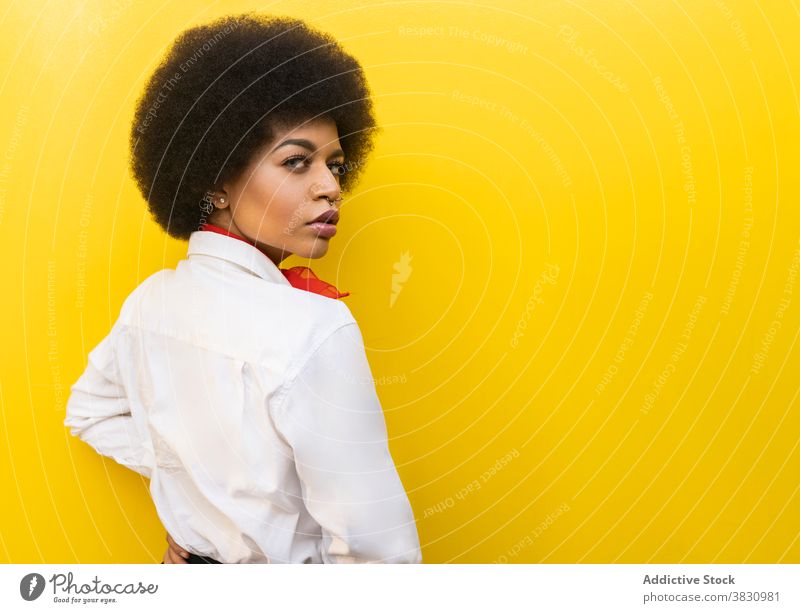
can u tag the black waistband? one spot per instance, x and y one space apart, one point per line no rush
195 559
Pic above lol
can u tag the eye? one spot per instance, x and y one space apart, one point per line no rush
338 168
288 162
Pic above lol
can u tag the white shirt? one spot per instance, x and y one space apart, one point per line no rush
251 407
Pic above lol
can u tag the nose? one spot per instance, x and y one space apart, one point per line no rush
326 185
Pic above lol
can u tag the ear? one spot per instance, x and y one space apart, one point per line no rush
220 199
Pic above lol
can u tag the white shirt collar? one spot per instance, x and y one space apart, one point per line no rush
236 251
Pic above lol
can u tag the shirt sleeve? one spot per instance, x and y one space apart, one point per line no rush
98 412
331 417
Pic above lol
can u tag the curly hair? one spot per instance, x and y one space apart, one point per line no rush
220 94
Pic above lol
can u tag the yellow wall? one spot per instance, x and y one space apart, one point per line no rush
594 209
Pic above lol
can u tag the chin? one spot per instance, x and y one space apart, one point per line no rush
315 251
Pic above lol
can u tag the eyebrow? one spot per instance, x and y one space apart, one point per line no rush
306 144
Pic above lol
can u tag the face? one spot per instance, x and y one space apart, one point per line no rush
290 182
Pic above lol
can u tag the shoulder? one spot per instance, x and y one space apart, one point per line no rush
306 321
134 301
236 314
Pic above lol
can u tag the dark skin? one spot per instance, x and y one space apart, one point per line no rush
175 554
273 202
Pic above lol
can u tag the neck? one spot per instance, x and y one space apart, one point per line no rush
276 255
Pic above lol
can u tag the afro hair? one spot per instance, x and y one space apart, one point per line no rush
221 93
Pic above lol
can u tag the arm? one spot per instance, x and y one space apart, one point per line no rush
330 415
99 414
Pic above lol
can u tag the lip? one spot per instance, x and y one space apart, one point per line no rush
325 230
328 217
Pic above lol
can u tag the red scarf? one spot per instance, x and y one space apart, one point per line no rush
301 277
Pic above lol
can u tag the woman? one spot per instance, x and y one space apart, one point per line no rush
241 389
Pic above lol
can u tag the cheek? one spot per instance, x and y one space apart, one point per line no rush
285 209
288 205
269 201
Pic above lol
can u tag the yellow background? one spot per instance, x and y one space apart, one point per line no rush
591 209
